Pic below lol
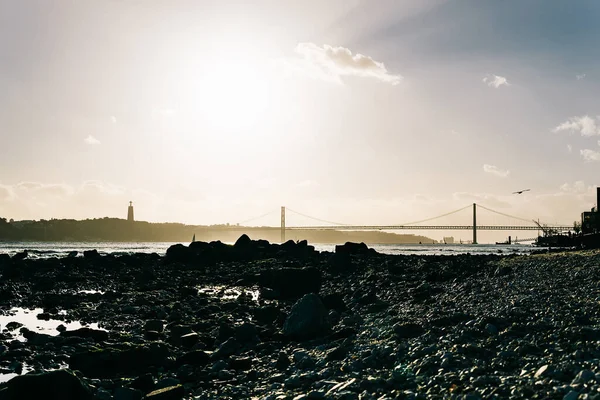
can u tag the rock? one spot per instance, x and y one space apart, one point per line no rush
283 361
584 376
246 333
72 254
21 256
166 382
55 385
243 242
491 329
196 357
572 395
91 254
228 348
170 393
334 301
143 383
154 325
152 335
123 393
307 319
542 371
354 249
180 253
408 330
95 334
291 283
12 325
106 363
240 363
189 340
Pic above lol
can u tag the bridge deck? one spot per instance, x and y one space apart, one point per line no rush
430 227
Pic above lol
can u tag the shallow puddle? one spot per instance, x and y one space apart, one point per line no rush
28 318
228 293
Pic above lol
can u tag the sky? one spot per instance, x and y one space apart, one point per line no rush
357 111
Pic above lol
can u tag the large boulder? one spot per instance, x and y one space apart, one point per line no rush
307 319
354 249
291 283
179 253
54 385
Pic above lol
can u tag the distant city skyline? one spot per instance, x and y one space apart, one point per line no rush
363 112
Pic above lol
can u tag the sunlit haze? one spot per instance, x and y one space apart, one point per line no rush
371 112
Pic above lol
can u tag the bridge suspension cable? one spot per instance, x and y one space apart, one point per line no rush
255 218
316 219
511 216
439 216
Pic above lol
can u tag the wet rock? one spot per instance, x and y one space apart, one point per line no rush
54 385
291 283
307 319
95 334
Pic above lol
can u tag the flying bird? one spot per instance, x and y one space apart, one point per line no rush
521 191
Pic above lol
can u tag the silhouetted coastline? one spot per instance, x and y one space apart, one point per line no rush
120 230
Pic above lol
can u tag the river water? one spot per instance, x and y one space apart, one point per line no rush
61 249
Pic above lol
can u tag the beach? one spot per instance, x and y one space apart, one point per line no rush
266 321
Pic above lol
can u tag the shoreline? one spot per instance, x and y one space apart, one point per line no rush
215 321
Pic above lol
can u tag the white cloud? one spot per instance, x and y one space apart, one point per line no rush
586 125
113 119
492 169
590 155
577 187
495 81
580 77
91 140
333 63
569 148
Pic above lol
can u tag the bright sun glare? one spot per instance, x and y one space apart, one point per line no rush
236 95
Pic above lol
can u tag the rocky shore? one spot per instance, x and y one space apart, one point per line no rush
266 321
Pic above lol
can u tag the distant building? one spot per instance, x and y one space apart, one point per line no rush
590 220
130 212
449 239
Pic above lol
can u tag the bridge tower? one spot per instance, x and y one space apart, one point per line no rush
282 224
474 223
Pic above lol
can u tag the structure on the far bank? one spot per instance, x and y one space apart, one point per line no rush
590 220
130 212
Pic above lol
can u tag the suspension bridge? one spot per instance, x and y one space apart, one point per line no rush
525 224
